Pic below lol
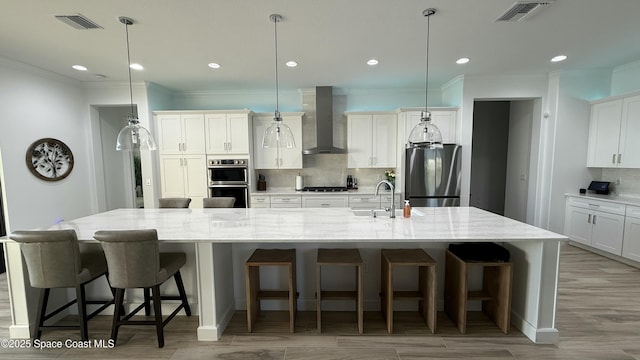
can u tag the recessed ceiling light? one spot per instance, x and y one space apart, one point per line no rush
373 62
558 58
214 65
462 60
135 66
100 76
80 67
291 63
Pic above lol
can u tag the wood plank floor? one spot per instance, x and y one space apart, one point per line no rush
598 318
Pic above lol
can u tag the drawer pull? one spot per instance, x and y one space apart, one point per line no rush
594 219
589 219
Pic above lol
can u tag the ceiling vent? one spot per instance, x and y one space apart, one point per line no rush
78 21
523 9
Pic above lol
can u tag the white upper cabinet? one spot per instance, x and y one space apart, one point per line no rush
180 134
227 133
613 133
371 140
281 157
630 133
445 119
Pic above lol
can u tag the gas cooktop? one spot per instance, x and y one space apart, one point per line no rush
324 188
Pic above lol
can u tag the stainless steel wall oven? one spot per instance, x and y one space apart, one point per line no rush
229 177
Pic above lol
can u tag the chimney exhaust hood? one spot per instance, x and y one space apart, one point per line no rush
324 123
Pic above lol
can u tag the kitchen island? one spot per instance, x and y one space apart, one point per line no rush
222 238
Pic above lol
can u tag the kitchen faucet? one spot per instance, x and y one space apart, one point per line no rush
392 209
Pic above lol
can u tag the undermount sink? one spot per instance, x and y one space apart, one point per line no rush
383 213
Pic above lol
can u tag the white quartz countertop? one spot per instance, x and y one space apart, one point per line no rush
618 199
257 225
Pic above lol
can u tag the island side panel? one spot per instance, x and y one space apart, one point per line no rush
216 304
535 287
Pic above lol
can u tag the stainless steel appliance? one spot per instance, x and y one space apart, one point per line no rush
229 177
432 176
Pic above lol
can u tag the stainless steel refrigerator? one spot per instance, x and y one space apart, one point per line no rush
432 176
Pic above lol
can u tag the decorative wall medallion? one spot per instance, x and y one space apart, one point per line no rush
49 159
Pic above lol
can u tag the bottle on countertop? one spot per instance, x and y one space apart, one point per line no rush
349 182
407 209
355 184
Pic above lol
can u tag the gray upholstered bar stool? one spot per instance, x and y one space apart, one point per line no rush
54 260
426 293
174 203
135 261
270 257
339 257
218 202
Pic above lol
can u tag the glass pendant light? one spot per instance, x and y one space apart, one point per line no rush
278 134
133 136
426 133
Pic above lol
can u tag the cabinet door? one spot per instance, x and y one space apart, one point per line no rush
331 201
292 158
604 134
171 176
631 242
578 224
383 146
263 158
169 134
364 201
629 131
360 132
446 120
195 179
260 201
193 133
216 133
607 232
238 133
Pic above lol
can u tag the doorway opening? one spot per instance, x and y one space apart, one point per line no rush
118 173
503 158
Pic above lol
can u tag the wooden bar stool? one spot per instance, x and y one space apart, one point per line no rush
270 257
339 257
426 294
496 286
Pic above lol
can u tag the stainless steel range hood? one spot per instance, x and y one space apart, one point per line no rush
324 123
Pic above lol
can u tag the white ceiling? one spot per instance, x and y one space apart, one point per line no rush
330 39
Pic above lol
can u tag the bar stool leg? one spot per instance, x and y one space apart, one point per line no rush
389 298
319 297
292 297
359 301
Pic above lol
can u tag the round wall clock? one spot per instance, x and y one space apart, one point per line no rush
49 159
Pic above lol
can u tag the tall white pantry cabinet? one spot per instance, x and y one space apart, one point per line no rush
185 138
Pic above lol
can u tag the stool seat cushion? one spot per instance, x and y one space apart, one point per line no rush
94 264
480 252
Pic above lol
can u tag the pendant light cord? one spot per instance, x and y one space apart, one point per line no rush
126 29
275 32
426 77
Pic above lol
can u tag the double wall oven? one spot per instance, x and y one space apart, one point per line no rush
229 178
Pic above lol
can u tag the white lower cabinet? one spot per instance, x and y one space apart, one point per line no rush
331 201
364 201
286 201
631 243
373 202
260 201
184 176
595 223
